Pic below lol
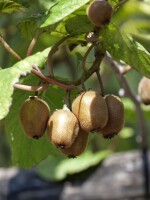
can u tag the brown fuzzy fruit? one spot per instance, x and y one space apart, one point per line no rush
115 116
144 90
78 146
34 115
63 128
91 110
99 12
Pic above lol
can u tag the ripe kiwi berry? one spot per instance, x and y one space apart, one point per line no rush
144 90
62 128
34 115
99 12
115 116
78 146
91 110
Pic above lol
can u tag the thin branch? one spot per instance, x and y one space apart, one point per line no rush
33 42
50 55
52 81
31 88
8 48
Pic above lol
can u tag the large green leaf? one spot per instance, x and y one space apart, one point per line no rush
77 25
134 17
123 47
7 6
57 168
28 152
61 10
11 75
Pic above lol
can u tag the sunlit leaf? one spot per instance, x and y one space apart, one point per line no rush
60 167
61 10
11 75
123 47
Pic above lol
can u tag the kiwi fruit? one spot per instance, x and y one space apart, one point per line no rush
144 90
99 12
62 128
91 110
78 146
34 115
115 116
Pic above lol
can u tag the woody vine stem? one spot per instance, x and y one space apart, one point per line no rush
143 132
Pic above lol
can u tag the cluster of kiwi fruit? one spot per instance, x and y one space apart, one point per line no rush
69 129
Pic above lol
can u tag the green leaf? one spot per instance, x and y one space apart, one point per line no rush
28 26
57 168
78 25
11 75
123 47
7 6
130 111
126 133
133 17
26 152
61 10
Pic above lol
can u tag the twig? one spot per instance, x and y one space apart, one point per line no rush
140 117
52 81
33 42
31 88
8 48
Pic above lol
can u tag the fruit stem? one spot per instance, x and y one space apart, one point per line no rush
8 48
51 53
140 117
67 99
33 42
100 82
